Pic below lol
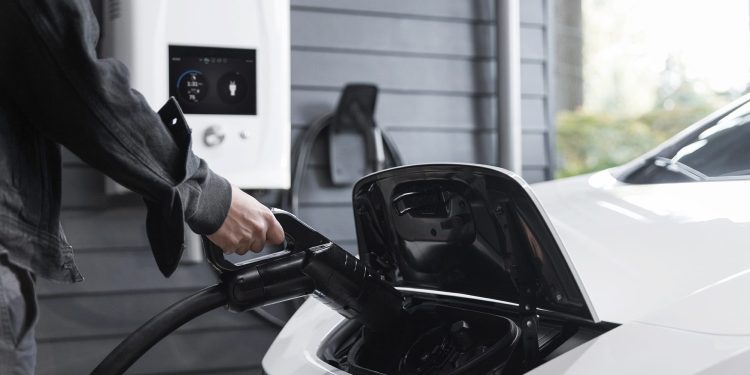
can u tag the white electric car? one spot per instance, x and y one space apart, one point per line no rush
643 268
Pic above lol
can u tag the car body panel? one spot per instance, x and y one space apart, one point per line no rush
638 348
704 333
719 309
699 334
295 349
641 247
680 311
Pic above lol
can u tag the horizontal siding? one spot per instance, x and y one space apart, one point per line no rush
436 77
480 10
531 144
534 45
416 75
403 109
410 37
532 11
424 111
113 228
533 79
534 174
534 114
316 188
84 187
392 73
332 220
449 145
390 35
124 271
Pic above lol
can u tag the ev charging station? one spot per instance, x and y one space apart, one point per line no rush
227 62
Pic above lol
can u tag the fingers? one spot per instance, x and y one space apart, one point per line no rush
275 233
247 227
269 230
257 245
244 247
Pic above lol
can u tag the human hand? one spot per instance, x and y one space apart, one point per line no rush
248 226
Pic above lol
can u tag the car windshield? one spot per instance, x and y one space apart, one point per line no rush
719 150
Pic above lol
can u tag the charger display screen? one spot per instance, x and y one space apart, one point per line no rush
210 80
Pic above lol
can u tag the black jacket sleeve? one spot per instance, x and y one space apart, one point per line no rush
87 105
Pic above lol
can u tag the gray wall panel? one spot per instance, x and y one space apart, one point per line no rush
532 43
533 79
534 114
426 111
423 111
121 227
82 187
449 76
127 271
410 74
532 175
390 35
446 146
469 10
533 12
534 150
317 188
333 221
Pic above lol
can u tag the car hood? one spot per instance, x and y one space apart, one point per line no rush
638 248
466 229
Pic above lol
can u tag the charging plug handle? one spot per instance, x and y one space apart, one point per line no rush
345 284
310 263
335 277
270 282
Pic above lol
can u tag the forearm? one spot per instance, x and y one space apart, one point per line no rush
86 104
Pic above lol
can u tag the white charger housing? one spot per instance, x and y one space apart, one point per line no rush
228 64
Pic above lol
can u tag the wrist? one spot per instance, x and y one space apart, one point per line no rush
212 206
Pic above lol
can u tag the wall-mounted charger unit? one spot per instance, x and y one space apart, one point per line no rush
227 62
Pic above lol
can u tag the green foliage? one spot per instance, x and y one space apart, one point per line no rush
589 142
666 123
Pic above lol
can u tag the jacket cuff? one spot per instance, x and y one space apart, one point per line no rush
212 205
